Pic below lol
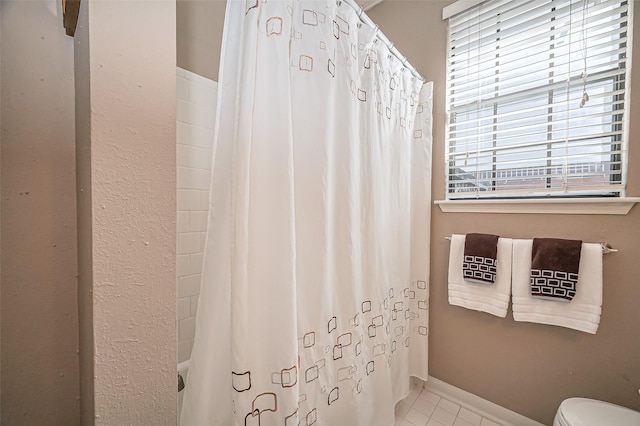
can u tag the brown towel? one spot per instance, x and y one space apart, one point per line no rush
479 264
554 268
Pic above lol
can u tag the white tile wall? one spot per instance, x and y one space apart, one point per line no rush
196 111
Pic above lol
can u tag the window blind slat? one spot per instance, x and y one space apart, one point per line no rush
481 126
525 105
539 162
528 192
537 149
598 46
545 171
500 90
482 102
484 26
461 131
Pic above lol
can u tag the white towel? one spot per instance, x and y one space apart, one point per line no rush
490 298
582 313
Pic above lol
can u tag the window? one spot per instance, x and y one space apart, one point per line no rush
536 100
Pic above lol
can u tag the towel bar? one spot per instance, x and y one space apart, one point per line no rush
606 247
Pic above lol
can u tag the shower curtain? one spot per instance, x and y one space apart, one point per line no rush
315 298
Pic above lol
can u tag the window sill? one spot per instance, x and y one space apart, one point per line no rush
605 206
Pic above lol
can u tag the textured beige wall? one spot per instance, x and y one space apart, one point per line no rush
199 35
38 312
130 113
528 368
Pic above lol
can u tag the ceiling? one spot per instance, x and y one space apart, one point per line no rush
367 4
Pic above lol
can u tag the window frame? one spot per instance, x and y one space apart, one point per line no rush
556 202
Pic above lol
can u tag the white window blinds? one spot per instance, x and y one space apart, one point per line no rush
536 99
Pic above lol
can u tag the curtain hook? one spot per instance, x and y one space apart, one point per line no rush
339 3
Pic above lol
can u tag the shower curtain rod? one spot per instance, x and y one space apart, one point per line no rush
380 35
606 247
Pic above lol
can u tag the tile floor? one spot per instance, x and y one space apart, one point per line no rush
425 408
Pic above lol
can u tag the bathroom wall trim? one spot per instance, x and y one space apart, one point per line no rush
605 206
478 405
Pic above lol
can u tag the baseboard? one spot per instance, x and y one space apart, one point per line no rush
479 405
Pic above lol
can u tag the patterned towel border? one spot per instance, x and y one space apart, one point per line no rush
480 258
554 268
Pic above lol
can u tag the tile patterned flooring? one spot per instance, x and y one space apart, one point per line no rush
425 408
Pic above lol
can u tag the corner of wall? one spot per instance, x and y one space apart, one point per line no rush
199 36
84 220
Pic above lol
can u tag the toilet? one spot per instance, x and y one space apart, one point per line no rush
589 412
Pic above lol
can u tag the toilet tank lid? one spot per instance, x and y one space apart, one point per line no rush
587 412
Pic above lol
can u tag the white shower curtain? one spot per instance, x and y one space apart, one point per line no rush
314 300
